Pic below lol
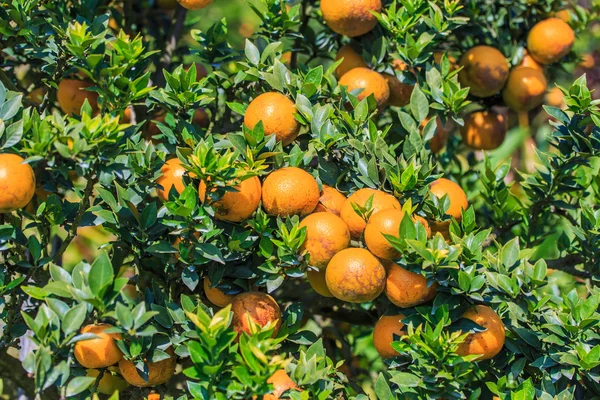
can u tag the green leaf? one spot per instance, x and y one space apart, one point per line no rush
79 384
101 274
419 106
74 319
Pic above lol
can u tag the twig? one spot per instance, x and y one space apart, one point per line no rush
564 213
298 41
567 264
171 45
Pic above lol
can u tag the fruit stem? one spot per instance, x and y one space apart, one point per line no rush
523 120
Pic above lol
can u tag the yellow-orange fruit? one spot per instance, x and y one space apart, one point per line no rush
487 343
290 191
17 183
194 4
331 200
529 62
437 143
316 278
326 235
424 223
201 118
587 61
405 288
399 92
158 372
109 383
381 201
171 176
385 222
437 57
216 295
484 130
565 15
72 94
281 383
351 60
525 89
37 95
383 334
550 40
154 396
355 275
256 306
457 196
238 205
100 352
484 70
369 81
276 112
350 17
555 98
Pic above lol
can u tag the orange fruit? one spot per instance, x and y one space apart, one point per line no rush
405 288
525 89
550 40
529 62
326 234
587 61
484 130
281 383
171 176
555 98
457 196
290 191
216 295
316 278
72 93
385 222
238 205
200 118
355 275
37 95
256 306
383 334
109 383
424 223
158 372
565 15
154 396
276 112
369 81
331 200
487 343
100 352
399 92
351 60
437 143
194 4
484 70
381 201
17 183
437 57
350 17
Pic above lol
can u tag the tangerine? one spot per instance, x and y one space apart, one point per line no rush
171 176
525 89
484 130
238 205
194 4
484 70
109 383
290 191
385 222
317 281
385 329
407 289
17 183
326 235
276 112
487 343
72 94
550 40
331 200
281 383
381 201
350 17
216 295
158 372
369 81
256 306
100 352
351 60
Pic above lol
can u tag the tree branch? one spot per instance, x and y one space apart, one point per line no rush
567 264
171 44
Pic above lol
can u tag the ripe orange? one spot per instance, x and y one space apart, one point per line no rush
587 61
158 372
171 176
369 81
437 57
290 191
487 343
351 60
437 143
424 223
484 130
316 278
350 17
154 396
565 15
326 235
555 98
194 4
200 118
331 200
72 93
276 112
109 383
355 275
457 196
485 71
383 334
385 222
37 95
525 89
529 62
256 306
381 201
236 206
101 352
405 288
281 383
399 92
550 40
216 295
17 183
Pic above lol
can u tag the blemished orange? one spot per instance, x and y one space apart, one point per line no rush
276 111
171 176
290 191
383 334
331 200
437 143
236 206
529 62
525 89
17 183
484 130
485 71
100 352
555 98
351 60
37 95
281 382
326 235
216 295
399 92
369 81
457 196
72 94
109 383
550 40
194 4
355 275
405 288
487 343
158 372
317 281
350 17
256 306
381 201
385 222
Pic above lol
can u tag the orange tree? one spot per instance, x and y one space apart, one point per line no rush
328 212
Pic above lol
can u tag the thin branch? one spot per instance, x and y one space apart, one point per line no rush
567 264
171 44
299 39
